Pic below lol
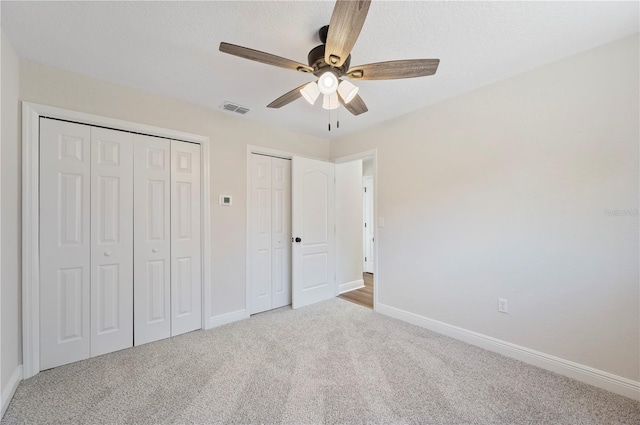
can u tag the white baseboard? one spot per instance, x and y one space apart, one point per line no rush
587 374
223 319
350 286
10 389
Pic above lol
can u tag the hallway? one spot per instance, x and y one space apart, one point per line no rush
362 296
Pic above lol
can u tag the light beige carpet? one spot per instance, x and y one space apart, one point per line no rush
335 362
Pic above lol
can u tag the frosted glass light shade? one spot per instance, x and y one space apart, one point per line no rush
310 92
347 90
330 101
328 83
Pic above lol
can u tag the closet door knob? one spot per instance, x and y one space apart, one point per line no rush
154 250
107 253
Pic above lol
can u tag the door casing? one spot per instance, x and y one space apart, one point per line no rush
368 250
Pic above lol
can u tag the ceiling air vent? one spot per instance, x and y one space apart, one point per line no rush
232 107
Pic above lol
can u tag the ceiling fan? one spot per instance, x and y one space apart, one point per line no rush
331 61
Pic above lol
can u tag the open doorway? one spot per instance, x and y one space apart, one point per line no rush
354 196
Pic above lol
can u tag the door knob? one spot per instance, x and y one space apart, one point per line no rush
107 253
154 250
298 240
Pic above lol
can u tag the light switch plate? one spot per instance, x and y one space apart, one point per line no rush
225 200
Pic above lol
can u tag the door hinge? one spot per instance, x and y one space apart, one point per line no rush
365 189
365 259
365 224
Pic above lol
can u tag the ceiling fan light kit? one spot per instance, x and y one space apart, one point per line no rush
330 101
347 91
328 83
332 60
310 92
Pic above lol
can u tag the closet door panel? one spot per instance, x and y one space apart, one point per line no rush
281 233
65 172
111 240
260 233
186 276
152 239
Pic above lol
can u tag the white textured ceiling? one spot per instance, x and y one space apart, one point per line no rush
171 48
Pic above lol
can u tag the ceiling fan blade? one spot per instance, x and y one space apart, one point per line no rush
287 98
268 58
356 106
393 70
344 28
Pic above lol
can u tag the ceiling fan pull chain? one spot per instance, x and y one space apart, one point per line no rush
338 119
329 119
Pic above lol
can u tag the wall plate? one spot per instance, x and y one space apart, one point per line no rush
225 200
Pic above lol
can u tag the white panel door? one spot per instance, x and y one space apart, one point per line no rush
65 164
261 224
313 231
369 228
111 240
186 273
280 232
152 239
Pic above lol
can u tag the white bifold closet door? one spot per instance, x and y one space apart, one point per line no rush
168 289
65 242
152 239
270 227
186 272
281 232
86 242
96 294
111 240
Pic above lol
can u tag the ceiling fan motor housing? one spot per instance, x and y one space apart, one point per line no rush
316 61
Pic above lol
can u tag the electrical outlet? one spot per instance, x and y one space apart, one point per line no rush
503 306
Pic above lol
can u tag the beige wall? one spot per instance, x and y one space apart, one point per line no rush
504 193
349 220
11 333
229 135
367 167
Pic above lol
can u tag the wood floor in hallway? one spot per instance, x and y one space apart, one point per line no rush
362 296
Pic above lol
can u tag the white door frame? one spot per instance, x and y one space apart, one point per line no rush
364 234
31 114
373 153
251 149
